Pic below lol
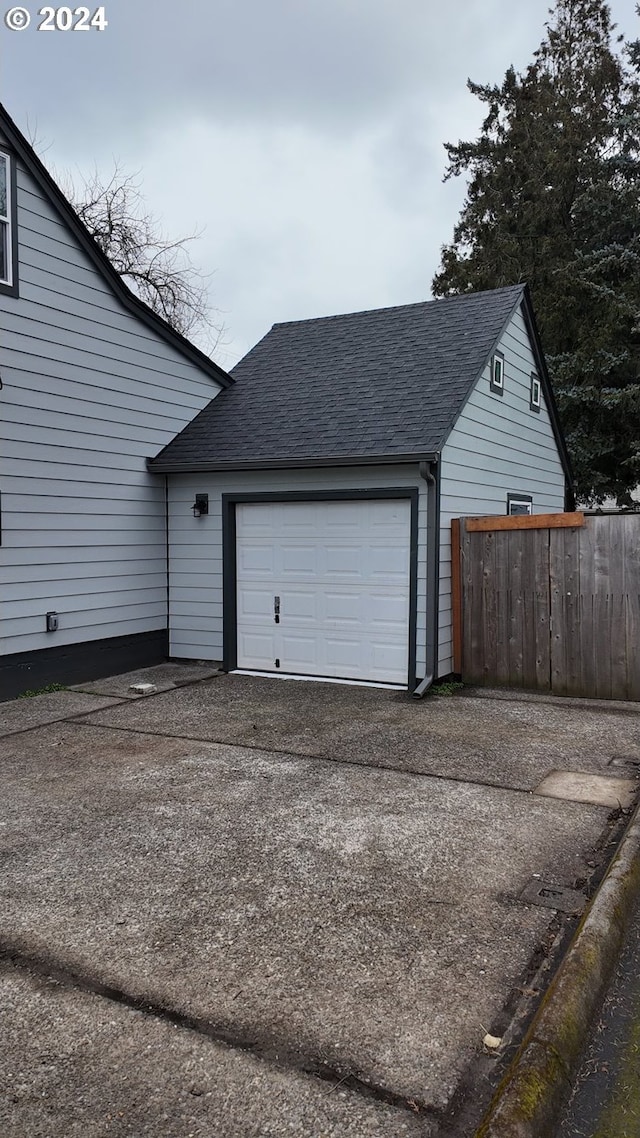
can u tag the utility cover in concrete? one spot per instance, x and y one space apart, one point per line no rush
578 786
552 896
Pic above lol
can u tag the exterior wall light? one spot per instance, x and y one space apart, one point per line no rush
201 505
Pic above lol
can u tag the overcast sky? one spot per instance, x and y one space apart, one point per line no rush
304 136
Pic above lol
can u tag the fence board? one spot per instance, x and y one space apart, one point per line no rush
615 582
523 521
564 580
487 631
515 613
584 646
602 607
502 574
632 612
541 639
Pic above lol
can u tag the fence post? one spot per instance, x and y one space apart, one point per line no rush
456 596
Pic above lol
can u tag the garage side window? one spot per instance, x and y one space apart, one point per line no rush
519 504
7 224
535 393
497 374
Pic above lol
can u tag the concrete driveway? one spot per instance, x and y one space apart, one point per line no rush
256 907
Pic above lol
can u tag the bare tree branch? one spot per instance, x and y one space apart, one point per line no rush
159 270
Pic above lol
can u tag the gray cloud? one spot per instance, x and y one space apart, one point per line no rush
333 64
306 135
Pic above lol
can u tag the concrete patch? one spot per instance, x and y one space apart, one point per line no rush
164 677
601 790
78 1066
498 742
327 913
50 707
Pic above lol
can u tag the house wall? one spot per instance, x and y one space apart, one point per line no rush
88 393
195 545
498 446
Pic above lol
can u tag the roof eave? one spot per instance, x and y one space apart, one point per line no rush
211 466
524 301
552 407
42 176
518 299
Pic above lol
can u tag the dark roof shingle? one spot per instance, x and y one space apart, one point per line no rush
384 383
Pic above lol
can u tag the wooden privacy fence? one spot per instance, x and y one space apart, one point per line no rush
549 602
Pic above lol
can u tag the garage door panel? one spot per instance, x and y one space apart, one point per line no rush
389 660
343 653
259 650
388 515
343 561
388 562
341 570
254 603
298 560
344 607
388 609
294 518
298 653
255 558
258 524
300 605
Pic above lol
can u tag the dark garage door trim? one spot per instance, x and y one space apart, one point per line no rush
229 576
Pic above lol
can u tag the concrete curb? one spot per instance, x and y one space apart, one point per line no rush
528 1101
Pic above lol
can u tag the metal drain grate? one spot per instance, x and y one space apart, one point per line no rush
551 896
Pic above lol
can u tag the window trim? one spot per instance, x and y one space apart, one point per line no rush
10 287
536 385
494 385
519 500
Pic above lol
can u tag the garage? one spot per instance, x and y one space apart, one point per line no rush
323 587
310 504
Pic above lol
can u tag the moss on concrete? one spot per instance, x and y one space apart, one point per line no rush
533 1088
534 1085
535 1081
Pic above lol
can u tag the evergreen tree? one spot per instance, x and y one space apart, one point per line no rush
554 200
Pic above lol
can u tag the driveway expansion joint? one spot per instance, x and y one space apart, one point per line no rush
295 756
271 1052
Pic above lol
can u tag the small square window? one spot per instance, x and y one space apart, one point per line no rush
519 504
497 373
535 393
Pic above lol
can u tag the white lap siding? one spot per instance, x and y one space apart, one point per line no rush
498 446
89 392
195 545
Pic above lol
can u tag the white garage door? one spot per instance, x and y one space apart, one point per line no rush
336 574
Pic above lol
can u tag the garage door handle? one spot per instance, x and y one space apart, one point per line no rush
276 609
